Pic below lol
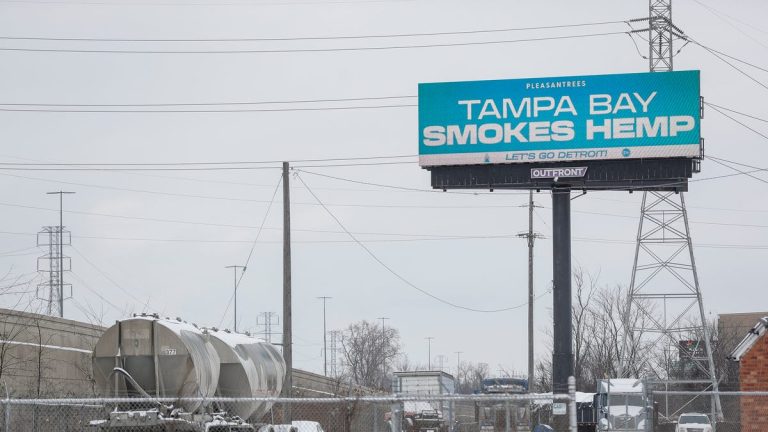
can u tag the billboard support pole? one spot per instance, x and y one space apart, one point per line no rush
562 354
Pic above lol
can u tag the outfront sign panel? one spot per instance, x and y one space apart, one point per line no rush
626 116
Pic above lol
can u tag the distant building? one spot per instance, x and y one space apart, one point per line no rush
414 383
752 355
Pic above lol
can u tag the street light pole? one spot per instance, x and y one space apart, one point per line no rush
458 366
325 350
382 323
429 352
234 268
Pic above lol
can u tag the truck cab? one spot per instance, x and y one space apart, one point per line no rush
620 405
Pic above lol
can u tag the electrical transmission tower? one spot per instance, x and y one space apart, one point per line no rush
54 263
335 336
268 319
664 289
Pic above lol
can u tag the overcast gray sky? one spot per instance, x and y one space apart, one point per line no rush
186 277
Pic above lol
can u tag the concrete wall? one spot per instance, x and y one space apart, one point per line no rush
56 353
45 356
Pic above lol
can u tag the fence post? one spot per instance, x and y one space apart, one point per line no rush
375 418
396 418
7 414
7 410
506 417
572 404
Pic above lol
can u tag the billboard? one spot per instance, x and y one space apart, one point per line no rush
561 119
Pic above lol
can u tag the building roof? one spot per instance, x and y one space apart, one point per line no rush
749 340
422 374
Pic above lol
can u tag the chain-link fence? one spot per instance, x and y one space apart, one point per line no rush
705 411
447 413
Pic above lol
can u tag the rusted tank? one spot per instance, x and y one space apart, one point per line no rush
149 356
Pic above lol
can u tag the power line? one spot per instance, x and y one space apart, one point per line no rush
309 38
312 50
736 68
201 111
223 225
108 169
236 199
735 58
405 188
733 18
736 112
96 293
177 163
721 15
748 173
392 271
109 278
633 188
446 238
739 122
176 104
250 253
198 3
179 166
739 171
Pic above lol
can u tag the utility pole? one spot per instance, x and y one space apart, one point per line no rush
234 268
382 323
429 352
61 194
325 338
383 341
530 236
458 367
287 319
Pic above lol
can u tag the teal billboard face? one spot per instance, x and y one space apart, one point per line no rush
581 118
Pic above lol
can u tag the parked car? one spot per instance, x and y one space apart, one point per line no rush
693 422
307 426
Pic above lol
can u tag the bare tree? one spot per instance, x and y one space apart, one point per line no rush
369 352
471 376
404 364
16 291
601 321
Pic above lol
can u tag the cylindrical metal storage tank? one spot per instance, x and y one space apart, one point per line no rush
250 367
166 358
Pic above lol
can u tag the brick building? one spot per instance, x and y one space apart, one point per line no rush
731 328
752 355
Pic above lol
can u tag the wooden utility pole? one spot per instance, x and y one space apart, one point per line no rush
287 319
531 237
